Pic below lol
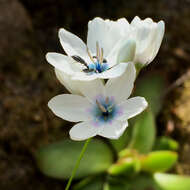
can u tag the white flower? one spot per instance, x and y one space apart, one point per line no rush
99 58
102 110
148 36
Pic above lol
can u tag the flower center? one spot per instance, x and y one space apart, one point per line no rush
98 64
105 110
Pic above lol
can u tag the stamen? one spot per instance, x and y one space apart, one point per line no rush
91 58
110 108
97 51
79 60
107 100
102 108
101 55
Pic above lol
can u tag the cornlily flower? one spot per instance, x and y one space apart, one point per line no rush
99 58
148 36
103 109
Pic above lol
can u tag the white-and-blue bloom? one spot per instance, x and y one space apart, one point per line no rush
99 59
103 109
148 36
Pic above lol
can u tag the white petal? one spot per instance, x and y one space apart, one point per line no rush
70 107
120 88
145 47
82 131
135 21
124 26
123 51
114 72
148 21
148 46
82 76
80 87
60 61
65 79
145 36
158 40
148 36
112 57
114 129
107 33
127 51
93 89
72 44
132 107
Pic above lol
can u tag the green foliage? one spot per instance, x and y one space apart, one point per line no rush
125 166
166 143
136 167
58 159
158 161
122 142
144 132
158 181
142 182
90 183
172 182
130 162
151 87
126 153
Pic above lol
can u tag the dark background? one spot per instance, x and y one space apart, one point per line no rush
28 30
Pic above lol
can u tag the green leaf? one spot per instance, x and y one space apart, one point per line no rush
151 87
172 182
117 183
157 181
90 183
144 182
127 153
117 187
122 142
58 159
125 166
140 182
144 132
158 161
166 143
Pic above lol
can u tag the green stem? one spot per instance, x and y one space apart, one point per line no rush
77 163
138 67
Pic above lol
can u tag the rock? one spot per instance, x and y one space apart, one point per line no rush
14 25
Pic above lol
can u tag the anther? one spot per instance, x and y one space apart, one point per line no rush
101 55
107 100
102 108
79 60
97 51
91 58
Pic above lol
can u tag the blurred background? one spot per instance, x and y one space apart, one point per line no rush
28 30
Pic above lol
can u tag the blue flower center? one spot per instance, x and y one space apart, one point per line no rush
98 67
105 110
98 64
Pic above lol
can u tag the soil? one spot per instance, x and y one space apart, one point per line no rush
28 31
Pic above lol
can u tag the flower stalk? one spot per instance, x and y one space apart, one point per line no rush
77 163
